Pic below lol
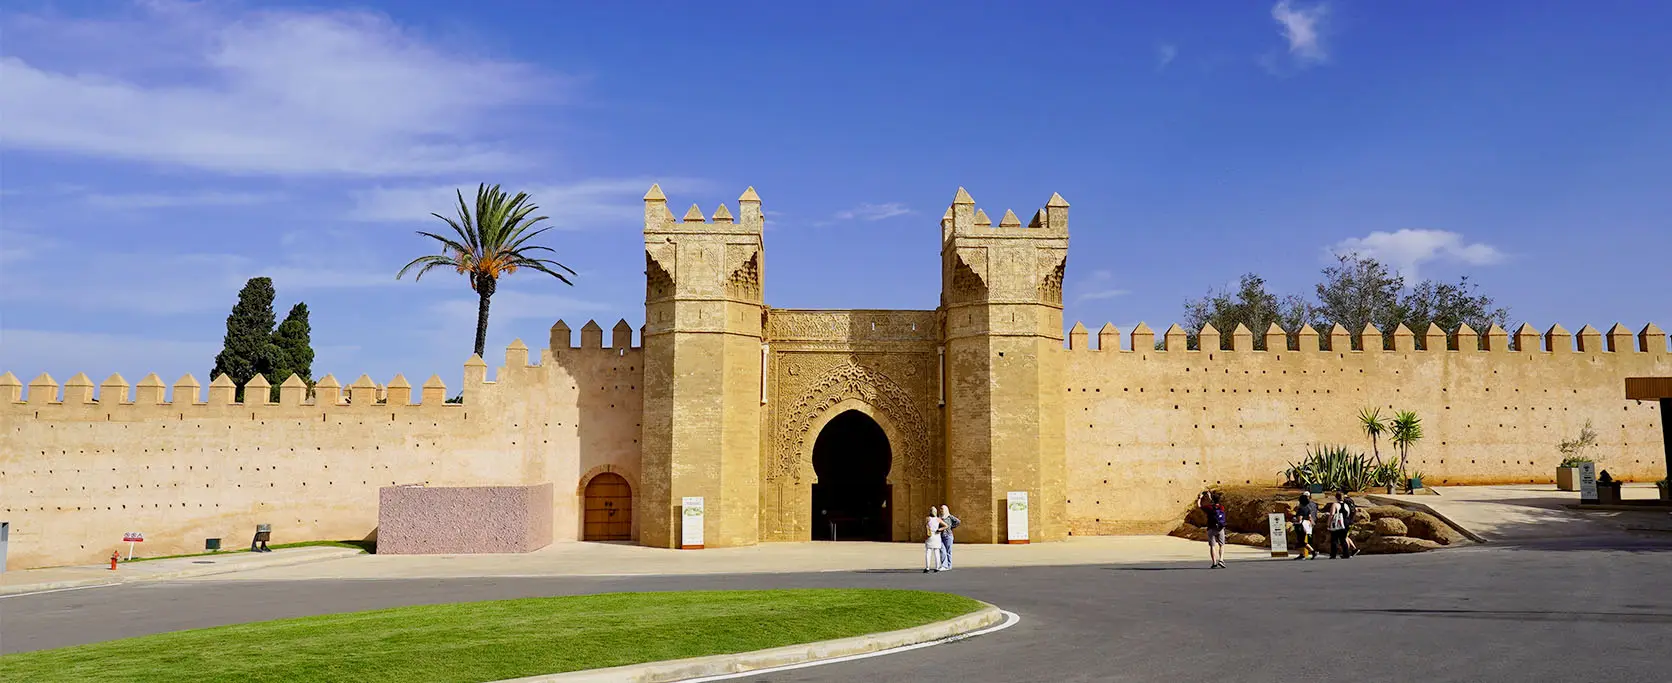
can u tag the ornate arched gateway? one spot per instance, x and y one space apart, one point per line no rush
821 364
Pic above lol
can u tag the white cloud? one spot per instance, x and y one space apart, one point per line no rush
1164 55
571 206
1302 28
164 284
1097 286
155 200
268 92
1407 250
868 212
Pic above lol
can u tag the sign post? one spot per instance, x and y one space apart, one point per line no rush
1587 482
1279 534
1016 520
690 525
131 538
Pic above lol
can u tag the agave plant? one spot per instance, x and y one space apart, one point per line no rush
1335 468
1300 474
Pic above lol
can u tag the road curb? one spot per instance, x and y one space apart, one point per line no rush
744 662
25 589
1423 507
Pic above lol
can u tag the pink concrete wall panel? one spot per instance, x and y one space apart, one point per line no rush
463 520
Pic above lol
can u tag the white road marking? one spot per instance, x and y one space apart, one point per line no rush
1010 619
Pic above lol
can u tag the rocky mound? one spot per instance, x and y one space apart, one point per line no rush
1377 530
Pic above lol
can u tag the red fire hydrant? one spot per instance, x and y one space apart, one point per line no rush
114 556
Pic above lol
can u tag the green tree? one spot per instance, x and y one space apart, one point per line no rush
1404 431
1358 291
1250 305
293 340
1449 306
491 242
248 349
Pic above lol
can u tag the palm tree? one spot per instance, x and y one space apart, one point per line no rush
1404 431
1374 426
492 244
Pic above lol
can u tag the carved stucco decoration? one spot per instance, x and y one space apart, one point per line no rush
851 326
743 266
847 380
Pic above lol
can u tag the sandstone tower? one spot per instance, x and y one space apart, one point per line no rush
1001 294
702 370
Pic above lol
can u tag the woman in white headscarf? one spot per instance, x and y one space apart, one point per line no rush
932 545
948 523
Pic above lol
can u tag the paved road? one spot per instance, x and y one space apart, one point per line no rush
1560 613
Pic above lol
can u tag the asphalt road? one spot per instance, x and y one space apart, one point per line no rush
1467 614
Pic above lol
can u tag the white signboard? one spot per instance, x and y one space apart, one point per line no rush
131 538
690 525
1016 506
1588 481
1279 534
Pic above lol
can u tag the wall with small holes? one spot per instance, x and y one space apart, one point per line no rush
79 470
1149 429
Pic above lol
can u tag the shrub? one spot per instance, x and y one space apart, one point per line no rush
1336 468
1573 450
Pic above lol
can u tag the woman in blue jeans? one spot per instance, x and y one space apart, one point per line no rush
949 523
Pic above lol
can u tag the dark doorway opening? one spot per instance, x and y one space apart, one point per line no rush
850 501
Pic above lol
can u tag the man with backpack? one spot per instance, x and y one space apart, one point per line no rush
1212 504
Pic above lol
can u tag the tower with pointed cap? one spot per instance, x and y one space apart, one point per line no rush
1001 298
701 430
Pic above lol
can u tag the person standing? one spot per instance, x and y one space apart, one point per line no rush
1348 509
1306 516
1337 518
932 545
1213 505
949 522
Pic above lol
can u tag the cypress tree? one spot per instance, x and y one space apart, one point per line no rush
248 348
293 341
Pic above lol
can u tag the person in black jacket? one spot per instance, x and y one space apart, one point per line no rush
1306 519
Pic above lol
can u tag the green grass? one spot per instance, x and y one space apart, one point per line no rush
368 546
487 641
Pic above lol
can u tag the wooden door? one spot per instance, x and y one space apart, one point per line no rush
609 509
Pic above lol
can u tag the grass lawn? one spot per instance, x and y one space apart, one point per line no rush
367 546
486 641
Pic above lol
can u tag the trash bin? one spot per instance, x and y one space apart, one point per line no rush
211 544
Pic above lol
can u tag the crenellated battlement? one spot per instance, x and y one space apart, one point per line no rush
658 218
963 218
1528 340
187 392
592 338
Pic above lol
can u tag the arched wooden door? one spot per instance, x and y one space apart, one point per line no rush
609 509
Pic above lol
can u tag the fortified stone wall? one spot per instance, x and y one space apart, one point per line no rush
1148 429
79 470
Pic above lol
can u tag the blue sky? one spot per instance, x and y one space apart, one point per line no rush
157 154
